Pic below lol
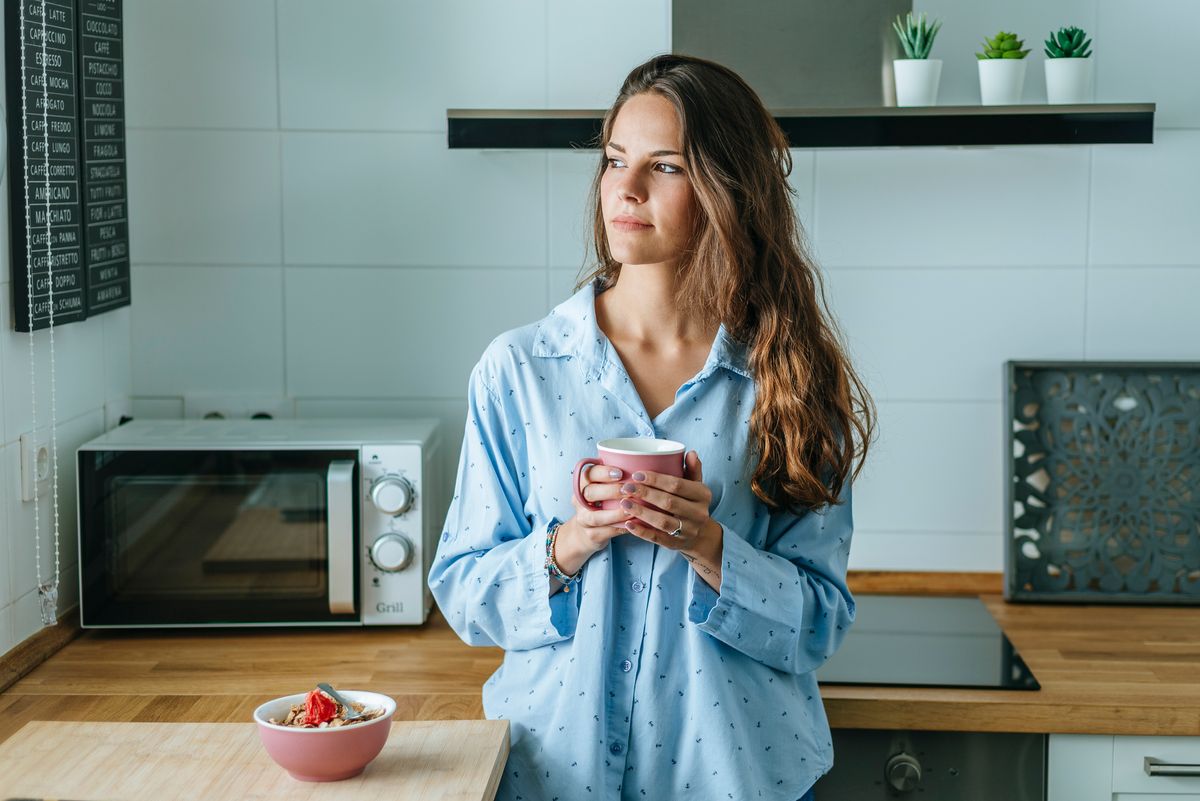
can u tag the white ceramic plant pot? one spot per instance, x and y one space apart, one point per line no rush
917 80
1001 81
1069 80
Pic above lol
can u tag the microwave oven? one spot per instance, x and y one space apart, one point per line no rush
259 522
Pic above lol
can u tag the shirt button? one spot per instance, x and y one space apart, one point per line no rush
626 666
615 748
638 586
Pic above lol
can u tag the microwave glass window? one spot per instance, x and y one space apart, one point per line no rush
218 536
211 537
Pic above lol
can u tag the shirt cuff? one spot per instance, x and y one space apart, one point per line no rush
562 608
718 613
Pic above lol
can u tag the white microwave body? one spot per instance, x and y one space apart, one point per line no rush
258 522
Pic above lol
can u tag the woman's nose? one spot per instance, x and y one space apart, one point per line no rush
631 187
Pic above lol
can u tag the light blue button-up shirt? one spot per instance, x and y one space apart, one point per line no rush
643 681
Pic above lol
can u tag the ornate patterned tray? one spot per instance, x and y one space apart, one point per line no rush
1102 501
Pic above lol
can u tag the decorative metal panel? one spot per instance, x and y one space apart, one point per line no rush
1103 492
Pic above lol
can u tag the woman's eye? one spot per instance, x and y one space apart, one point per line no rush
671 168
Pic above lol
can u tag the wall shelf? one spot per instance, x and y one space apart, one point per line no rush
889 126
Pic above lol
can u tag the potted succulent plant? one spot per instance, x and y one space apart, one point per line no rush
1068 67
916 76
1001 70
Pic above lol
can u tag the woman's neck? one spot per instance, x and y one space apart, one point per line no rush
640 307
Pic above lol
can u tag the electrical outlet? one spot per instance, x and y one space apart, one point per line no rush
35 464
237 407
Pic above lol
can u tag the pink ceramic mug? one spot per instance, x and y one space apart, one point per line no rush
632 454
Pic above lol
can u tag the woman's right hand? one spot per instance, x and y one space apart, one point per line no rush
591 529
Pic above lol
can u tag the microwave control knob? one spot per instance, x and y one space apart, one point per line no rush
392 495
391 552
903 772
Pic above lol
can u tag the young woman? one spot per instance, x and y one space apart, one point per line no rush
666 654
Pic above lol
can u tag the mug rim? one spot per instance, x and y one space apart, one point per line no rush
668 447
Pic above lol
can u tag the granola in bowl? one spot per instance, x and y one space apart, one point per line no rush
319 711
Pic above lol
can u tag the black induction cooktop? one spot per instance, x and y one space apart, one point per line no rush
920 641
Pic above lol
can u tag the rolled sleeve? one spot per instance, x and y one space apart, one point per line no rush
787 606
488 575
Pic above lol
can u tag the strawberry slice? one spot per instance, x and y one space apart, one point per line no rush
318 708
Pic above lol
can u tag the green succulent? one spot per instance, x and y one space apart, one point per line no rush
1068 43
1003 45
916 36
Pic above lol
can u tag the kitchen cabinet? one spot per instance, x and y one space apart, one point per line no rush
1100 767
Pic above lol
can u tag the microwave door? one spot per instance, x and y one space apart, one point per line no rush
339 533
218 537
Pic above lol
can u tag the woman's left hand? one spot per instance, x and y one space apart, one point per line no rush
684 502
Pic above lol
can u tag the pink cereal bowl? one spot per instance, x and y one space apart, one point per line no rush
329 754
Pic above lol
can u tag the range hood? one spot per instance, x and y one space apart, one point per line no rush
824 68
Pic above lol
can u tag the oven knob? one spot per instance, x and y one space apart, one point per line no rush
903 772
392 495
391 552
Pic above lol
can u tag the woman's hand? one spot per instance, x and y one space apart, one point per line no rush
591 529
684 503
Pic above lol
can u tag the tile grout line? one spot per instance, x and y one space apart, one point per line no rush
283 316
1087 245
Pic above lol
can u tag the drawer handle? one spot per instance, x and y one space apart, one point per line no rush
1156 767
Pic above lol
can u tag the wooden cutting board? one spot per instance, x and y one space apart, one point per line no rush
439 759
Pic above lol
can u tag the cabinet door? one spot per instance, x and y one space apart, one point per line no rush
1080 767
1178 754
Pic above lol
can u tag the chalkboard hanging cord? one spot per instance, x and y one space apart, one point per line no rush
47 590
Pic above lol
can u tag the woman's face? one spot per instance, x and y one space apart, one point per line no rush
644 178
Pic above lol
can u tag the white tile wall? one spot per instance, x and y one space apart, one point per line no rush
936 468
1133 66
208 328
355 332
6 629
299 226
944 334
1145 206
1144 313
200 65
204 197
362 65
592 48
925 550
952 207
406 199
79 368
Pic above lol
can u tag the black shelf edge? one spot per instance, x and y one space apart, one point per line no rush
923 126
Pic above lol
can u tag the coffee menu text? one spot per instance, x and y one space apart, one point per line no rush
70 239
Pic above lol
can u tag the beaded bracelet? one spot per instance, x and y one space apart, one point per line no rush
552 568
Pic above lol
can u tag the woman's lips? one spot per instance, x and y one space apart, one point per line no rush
626 225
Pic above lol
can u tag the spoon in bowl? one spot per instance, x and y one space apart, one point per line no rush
350 712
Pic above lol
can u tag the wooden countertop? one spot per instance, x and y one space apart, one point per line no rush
1103 670
421 761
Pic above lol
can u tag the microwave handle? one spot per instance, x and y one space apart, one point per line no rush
339 536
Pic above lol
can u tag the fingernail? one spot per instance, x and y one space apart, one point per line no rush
639 476
627 505
615 473
628 488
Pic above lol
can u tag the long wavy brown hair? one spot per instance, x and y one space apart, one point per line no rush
748 266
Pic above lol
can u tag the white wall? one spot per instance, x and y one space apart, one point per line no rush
299 228
92 360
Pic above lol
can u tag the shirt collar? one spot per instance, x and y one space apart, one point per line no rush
571 330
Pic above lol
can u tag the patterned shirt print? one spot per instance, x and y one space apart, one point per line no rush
642 682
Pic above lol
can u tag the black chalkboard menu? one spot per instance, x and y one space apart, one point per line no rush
74 101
